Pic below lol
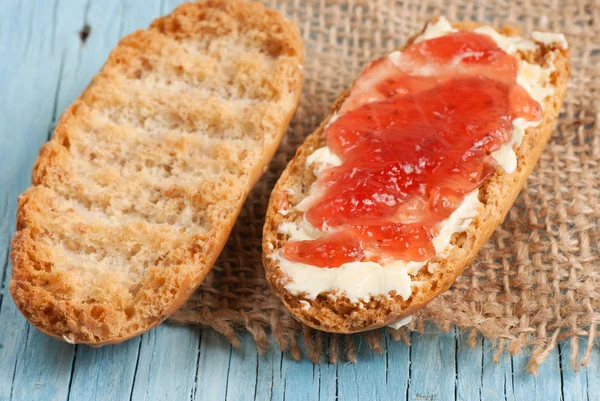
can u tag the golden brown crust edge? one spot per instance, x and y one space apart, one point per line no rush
69 322
498 194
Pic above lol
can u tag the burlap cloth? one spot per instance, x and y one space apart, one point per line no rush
536 281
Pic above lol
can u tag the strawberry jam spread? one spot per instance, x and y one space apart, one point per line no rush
414 137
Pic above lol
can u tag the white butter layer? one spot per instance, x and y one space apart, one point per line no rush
434 30
534 78
358 281
549 38
506 156
322 159
510 44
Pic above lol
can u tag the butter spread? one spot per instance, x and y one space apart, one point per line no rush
549 38
322 159
433 30
510 44
358 281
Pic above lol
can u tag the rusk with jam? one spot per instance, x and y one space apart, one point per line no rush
336 311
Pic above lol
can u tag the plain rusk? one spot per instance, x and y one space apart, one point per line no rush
135 195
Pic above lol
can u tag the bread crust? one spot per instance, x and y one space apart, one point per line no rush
54 217
340 315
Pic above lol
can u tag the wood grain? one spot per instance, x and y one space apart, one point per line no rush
212 368
439 350
110 380
49 65
166 349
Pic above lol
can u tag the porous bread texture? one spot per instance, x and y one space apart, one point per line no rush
337 313
135 195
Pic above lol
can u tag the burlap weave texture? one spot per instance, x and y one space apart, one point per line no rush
536 281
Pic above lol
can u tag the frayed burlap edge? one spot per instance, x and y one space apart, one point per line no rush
533 285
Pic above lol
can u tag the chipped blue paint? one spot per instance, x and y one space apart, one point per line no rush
44 66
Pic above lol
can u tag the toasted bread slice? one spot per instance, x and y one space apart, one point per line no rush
135 195
333 310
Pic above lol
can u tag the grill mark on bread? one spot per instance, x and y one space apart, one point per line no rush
136 193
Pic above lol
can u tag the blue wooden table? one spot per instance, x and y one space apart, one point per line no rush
49 50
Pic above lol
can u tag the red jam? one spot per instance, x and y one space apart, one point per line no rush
415 137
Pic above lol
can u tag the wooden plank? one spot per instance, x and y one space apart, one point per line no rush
138 15
269 375
169 5
280 377
4 262
275 376
398 368
469 364
328 377
13 337
433 367
546 386
583 384
276 381
105 373
299 380
353 380
42 375
213 365
167 364
84 58
497 379
242 377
